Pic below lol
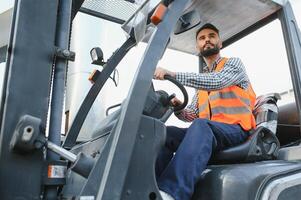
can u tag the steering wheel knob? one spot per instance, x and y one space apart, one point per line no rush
170 97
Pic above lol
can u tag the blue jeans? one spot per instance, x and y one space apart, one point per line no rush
177 173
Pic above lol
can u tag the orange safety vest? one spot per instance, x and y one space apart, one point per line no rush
231 105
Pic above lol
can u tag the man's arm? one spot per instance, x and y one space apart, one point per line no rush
233 73
190 112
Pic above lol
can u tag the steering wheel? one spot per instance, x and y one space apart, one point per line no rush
164 107
183 90
158 103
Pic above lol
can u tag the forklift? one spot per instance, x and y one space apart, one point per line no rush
118 161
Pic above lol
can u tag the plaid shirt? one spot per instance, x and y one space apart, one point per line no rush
233 73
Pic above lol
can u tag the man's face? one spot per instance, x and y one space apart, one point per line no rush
208 42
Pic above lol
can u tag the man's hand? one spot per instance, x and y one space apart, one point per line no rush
175 102
160 73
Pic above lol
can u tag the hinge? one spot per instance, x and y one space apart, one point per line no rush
65 54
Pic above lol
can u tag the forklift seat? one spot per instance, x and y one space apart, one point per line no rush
262 143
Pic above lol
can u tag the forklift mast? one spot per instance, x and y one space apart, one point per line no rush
26 91
122 161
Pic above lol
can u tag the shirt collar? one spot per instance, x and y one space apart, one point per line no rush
214 64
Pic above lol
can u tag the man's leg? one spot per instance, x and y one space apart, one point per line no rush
174 137
227 135
191 158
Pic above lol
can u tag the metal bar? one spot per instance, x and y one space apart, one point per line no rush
9 47
29 60
3 51
76 5
58 89
101 15
292 39
106 177
62 41
61 151
126 130
94 91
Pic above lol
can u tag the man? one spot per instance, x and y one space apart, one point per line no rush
220 112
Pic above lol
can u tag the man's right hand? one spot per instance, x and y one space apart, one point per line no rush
175 102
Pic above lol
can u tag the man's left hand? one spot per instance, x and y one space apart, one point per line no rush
161 72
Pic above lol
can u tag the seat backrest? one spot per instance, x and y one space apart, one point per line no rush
263 143
266 111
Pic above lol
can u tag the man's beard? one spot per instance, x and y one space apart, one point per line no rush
210 52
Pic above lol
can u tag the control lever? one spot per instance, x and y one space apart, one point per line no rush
166 114
170 109
81 163
28 136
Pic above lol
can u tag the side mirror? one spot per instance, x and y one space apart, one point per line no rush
187 21
97 56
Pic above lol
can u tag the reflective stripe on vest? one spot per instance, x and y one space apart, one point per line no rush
230 110
232 105
228 95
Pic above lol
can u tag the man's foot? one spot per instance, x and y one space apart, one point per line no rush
166 196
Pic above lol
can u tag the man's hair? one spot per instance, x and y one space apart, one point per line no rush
207 26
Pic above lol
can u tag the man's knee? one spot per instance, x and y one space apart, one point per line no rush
200 120
202 128
199 123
